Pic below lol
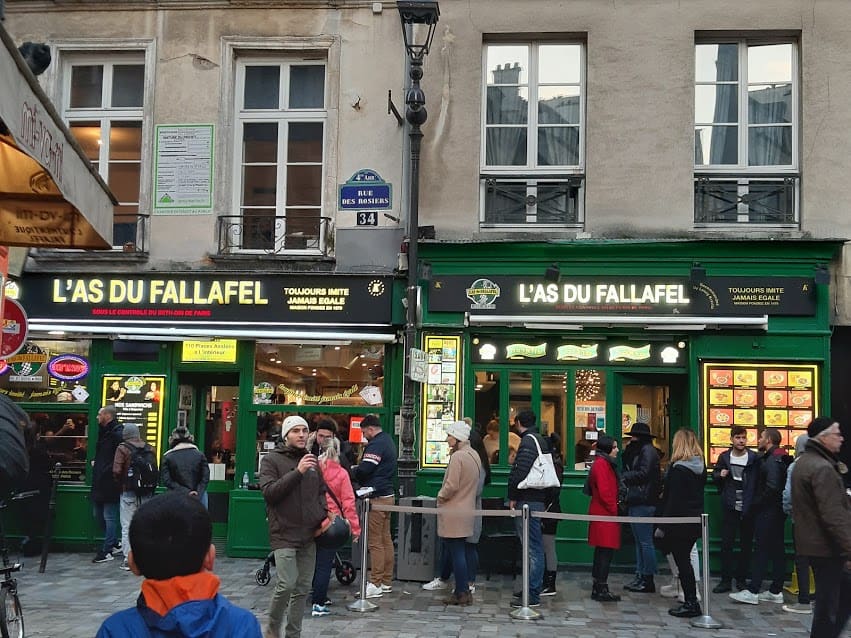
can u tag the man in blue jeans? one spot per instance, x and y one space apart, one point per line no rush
642 478
527 453
105 490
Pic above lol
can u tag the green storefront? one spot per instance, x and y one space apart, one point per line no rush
229 355
594 336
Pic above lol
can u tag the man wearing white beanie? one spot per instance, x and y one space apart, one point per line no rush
458 493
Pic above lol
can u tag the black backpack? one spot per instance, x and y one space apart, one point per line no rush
142 473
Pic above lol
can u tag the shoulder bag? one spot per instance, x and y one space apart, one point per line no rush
542 474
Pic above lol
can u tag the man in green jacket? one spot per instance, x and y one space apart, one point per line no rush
295 506
823 525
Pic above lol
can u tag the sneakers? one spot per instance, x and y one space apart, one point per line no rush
671 591
124 565
723 587
436 585
471 587
102 558
518 602
386 589
116 550
320 610
768 597
745 596
373 591
798 608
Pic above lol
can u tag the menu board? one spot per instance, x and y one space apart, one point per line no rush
757 395
440 405
138 399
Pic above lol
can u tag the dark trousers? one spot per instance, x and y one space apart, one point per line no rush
322 574
600 566
733 523
681 551
833 597
768 529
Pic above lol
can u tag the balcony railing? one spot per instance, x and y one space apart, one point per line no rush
770 200
273 235
130 232
531 200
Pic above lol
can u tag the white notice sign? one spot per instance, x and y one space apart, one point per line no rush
183 179
418 365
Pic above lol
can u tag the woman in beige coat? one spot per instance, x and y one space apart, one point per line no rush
458 493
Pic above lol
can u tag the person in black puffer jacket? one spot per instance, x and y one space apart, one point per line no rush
642 478
184 466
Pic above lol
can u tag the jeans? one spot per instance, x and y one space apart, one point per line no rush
471 551
380 544
294 568
535 549
731 523
833 597
768 528
645 551
127 505
106 516
457 552
322 574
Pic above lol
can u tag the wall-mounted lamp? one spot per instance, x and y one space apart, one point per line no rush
822 275
552 273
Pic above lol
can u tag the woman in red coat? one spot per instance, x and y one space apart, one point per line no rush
605 537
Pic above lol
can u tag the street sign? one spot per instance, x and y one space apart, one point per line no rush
418 367
366 191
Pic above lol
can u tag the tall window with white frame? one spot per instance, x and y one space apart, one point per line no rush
746 133
532 134
104 108
280 140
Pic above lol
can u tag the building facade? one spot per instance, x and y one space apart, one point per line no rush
638 214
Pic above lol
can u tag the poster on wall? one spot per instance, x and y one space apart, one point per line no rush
757 395
138 399
440 397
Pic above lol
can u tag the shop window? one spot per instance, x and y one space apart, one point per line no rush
487 419
589 394
47 371
60 437
347 373
220 431
553 411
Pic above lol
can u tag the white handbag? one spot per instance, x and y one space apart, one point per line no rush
542 474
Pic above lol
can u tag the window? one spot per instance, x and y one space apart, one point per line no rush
104 108
280 138
746 132
532 141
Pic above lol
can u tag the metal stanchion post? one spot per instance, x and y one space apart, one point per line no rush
706 621
525 612
361 603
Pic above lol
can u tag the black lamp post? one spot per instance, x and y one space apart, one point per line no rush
419 19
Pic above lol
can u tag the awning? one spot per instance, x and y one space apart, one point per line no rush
50 194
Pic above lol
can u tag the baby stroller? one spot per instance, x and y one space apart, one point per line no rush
343 570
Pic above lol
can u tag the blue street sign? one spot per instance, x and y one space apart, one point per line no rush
366 190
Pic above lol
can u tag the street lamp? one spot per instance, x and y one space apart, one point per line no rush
419 19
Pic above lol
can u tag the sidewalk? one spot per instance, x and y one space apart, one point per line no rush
72 598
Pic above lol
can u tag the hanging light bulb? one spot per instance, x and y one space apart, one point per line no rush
587 384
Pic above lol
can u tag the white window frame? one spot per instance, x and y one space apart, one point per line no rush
69 53
236 50
531 173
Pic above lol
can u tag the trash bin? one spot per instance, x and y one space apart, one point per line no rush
417 542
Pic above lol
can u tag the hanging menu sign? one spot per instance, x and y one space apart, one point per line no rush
138 399
440 394
757 395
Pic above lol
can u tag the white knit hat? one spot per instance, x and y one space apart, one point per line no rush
289 423
459 430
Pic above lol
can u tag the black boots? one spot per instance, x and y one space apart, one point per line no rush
642 585
549 588
690 609
601 594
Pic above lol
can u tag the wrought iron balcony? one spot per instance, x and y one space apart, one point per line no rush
770 200
273 234
131 232
531 200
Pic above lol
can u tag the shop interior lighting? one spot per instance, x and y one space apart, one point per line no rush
680 322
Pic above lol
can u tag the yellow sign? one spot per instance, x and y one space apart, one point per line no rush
217 351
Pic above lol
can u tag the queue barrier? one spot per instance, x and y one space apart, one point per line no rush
525 612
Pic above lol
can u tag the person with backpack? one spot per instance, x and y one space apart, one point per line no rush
185 467
135 469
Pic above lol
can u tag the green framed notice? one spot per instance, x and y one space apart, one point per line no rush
183 172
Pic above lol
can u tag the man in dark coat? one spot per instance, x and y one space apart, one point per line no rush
642 478
105 490
823 525
14 460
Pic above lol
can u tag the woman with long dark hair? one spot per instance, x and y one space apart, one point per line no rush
549 526
604 537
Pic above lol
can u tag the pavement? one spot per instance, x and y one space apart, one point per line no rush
73 597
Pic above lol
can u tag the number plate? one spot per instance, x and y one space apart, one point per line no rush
367 218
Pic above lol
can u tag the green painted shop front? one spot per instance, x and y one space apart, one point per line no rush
595 335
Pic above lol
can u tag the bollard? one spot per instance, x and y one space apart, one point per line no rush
361 604
525 612
706 621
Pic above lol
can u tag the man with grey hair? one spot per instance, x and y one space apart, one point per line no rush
823 525
133 459
105 490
